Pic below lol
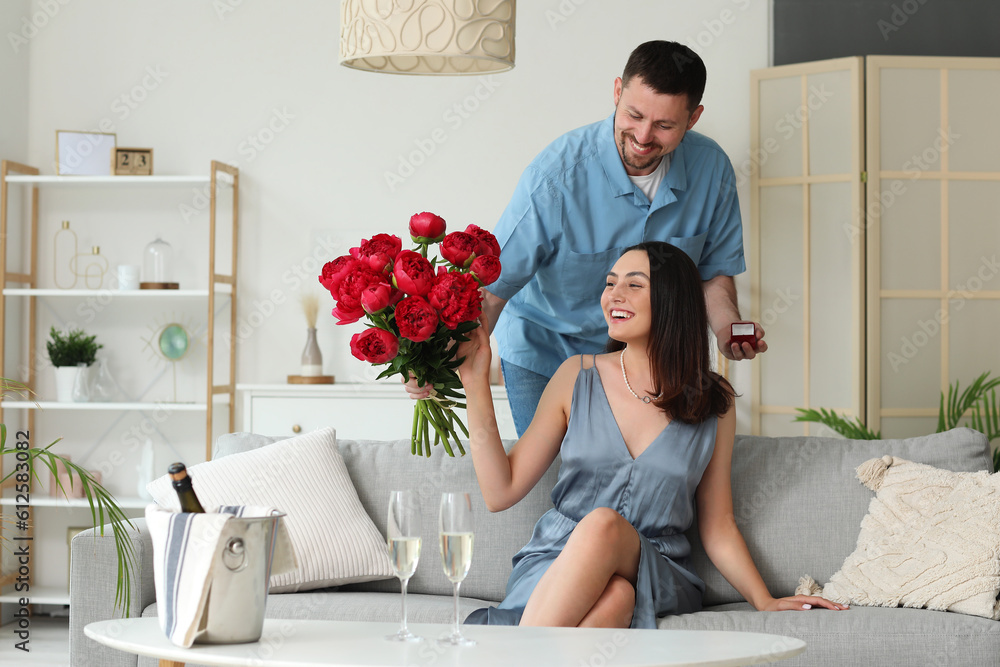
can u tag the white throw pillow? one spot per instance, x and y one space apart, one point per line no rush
334 539
931 539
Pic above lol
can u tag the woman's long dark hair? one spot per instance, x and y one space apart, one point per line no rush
678 338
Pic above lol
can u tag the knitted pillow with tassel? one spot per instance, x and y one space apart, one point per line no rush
931 539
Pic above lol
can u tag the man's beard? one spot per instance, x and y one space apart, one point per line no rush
631 162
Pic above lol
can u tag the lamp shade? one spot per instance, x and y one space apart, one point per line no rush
427 36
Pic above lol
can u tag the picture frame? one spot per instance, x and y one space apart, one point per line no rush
132 162
84 153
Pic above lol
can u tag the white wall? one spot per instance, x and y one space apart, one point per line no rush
14 54
197 81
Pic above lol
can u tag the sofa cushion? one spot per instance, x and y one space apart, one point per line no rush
930 539
379 467
799 505
334 540
861 635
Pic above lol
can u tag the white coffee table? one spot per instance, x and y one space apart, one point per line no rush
289 643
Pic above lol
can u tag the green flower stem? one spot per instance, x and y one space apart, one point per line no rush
434 418
459 421
426 434
447 417
413 431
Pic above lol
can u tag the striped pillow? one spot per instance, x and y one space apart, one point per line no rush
335 541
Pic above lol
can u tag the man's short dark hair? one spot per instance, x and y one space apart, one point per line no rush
668 68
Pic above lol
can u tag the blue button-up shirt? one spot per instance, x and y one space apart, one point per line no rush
571 215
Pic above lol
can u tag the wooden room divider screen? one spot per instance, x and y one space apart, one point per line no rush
875 237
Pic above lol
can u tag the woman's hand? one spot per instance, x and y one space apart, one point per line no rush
416 392
801 603
477 353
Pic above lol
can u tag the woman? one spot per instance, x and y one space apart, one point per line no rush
645 432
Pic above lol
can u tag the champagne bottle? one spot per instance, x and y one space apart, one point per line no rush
185 492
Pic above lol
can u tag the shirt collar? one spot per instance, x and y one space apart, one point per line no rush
676 178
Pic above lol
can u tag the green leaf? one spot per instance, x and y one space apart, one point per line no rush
71 348
103 507
855 430
953 408
466 327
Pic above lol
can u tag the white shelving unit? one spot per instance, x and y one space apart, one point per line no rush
116 406
115 181
123 294
25 288
41 501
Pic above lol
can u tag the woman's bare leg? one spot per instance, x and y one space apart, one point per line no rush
614 608
601 546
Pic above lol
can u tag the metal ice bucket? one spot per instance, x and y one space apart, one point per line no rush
240 578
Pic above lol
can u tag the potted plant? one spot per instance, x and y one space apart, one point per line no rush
25 461
71 353
978 401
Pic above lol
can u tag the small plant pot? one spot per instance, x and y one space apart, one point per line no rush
66 381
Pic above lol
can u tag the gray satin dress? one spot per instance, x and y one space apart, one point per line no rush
654 492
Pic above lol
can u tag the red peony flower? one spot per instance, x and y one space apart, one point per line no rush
456 297
486 269
349 309
426 228
379 251
459 248
417 308
334 272
417 319
488 243
412 273
377 297
376 346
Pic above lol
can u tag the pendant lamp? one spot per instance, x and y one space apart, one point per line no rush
443 37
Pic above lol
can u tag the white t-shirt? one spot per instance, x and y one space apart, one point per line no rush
650 183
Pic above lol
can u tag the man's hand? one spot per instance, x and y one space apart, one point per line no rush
720 299
738 352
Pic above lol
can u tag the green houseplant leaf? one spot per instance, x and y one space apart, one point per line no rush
954 407
985 418
71 348
978 400
855 430
103 507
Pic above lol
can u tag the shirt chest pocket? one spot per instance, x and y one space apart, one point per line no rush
583 275
691 245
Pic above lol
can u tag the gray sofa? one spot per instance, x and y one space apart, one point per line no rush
796 500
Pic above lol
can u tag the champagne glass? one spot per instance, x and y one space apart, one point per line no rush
455 527
403 536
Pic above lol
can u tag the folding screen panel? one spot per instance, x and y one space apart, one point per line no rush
933 210
807 241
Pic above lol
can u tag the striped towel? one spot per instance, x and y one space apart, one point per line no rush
186 548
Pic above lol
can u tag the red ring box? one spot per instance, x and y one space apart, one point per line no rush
743 332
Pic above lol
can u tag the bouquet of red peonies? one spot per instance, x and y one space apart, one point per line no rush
416 309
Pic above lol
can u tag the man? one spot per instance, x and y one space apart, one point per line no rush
640 175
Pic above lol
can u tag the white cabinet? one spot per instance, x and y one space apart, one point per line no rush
357 411
122 211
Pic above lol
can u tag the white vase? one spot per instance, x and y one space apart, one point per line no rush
65 381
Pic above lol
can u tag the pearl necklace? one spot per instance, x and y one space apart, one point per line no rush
644 399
